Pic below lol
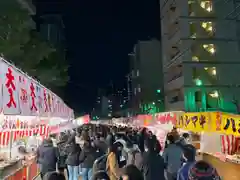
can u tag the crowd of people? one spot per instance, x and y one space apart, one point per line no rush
112 153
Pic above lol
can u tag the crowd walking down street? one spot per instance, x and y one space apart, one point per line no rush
111 153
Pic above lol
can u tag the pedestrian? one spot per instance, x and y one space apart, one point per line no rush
202 170
189 153
152 164
112 165
62 153
72 160
172 157
100 143
47 157
131 172
87 158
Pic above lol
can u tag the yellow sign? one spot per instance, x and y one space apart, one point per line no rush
196 122
230 124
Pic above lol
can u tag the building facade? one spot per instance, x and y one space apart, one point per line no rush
200 46
146 74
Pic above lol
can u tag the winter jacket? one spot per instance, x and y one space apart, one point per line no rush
88 156
112 167
152 166
47 157
173 158
63 154
73 154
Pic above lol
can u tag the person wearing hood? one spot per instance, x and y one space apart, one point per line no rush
172 157
47 157
72 160
189 153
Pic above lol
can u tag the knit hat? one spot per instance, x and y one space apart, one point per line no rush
201 170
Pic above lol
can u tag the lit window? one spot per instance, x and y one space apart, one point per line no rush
207 5
210 48
137 73
214 71
208 26
195 58
135 91
139 88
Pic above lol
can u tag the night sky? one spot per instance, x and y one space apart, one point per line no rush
100 34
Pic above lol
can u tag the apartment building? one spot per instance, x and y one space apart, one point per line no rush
201 62
146 73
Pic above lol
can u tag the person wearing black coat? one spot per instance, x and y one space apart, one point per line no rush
87 157
152 165
72 160
47 157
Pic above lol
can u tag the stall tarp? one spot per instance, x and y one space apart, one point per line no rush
62 127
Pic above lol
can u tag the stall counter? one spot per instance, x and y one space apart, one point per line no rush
227 170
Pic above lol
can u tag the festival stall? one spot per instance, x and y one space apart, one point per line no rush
160 123
218 135
25 110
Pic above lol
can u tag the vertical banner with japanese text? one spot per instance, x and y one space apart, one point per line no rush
10 90
230 124
45 102
49 102
33 97
40 101
23 94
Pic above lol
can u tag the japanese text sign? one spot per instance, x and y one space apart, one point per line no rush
230 124
196 122
33 98
23 94
10 90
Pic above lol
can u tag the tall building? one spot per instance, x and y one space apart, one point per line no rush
200 46
146 74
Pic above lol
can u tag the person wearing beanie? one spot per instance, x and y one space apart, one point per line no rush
189 153
202 170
